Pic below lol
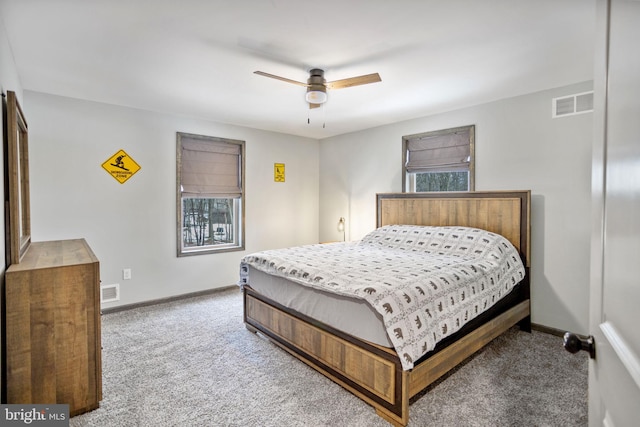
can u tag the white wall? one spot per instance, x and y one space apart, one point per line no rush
518 147
133 225
8 72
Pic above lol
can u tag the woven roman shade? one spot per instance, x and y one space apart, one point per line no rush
439 152
210 168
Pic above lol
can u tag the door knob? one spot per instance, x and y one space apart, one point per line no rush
573 343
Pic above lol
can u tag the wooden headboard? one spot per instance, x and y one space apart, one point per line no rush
503 212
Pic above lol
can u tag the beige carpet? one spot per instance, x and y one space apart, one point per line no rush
193 363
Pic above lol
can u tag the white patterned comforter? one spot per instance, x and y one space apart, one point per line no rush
426 282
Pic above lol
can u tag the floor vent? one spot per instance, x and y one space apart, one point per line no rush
573 104
109 293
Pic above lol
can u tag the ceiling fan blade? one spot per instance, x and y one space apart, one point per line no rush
354 81
314 105
284 79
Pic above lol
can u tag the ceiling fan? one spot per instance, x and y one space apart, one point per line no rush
317 86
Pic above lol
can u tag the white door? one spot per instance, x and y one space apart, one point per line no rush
614 374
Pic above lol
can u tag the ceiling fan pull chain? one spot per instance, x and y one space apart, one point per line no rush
324 116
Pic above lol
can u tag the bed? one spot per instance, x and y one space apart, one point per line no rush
377 357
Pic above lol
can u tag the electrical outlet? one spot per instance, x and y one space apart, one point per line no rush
126 274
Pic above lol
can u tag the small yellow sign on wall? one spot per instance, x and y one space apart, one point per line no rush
278 172
121 166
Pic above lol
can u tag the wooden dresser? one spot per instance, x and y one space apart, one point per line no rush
53 341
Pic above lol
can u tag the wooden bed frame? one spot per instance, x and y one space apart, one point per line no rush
372 372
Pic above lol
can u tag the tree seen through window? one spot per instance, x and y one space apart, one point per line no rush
442 181
207 221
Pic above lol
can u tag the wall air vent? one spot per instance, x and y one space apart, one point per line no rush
109 293
573 104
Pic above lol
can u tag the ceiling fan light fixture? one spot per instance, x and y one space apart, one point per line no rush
317 86
316 96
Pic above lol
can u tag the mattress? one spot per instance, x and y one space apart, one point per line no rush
425 282
350 315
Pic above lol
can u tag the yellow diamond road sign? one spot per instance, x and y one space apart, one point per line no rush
121 166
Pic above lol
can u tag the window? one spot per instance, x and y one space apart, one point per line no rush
210 194
439 161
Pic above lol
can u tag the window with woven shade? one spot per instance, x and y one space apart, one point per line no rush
210 194
441 160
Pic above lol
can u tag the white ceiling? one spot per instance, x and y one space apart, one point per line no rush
197 57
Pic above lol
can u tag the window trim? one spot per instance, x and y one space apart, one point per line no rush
408 182
240 219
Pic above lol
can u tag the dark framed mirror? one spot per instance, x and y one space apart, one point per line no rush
17 213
